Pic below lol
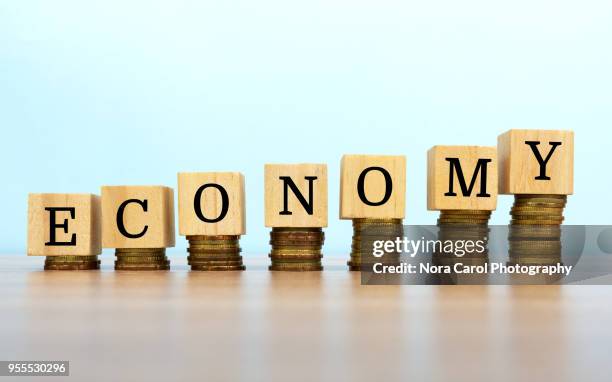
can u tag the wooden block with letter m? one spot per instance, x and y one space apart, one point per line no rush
462 178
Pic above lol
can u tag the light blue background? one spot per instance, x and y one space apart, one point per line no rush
126 92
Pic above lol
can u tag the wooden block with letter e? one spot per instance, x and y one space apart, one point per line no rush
211 203
295 195
64 225
137 217
373 186
462 178
536 162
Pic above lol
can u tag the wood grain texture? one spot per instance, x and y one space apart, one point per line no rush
315 326
234 222
274 195
352 206
85 226
159 217
519 166
439 172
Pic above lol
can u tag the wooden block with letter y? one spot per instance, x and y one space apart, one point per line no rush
137 217
536 162
295 195
373 186
64 224
211 203
462 178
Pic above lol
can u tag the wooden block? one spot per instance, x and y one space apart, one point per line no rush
64 224
211 203
295 195
462 178
536 162
137 217
372 186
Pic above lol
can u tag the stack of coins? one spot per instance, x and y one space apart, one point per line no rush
296 249
71 263
365 232
215 253
535 229
465 225
141 259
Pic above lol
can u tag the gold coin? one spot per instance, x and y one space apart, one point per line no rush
377 221
206 257
216 263
213 237
216 268
72 267
73 257
141 259
535 244
142 267
466 212
535 222
538 217
541 196
296 268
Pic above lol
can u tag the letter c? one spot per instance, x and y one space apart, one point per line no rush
120 223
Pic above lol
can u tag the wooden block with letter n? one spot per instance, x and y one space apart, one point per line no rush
373 186
138 221
462 178
536 162
295 195
64 224
211 203
296 209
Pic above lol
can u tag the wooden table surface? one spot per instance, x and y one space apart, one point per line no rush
273 326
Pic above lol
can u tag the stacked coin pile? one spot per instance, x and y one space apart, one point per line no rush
215 253
365 232
71 263
465 225
535 229
296 249
141 259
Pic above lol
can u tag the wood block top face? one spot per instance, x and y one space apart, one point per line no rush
295 195
211 203
372 186
536 162
64 224
462 178
137 217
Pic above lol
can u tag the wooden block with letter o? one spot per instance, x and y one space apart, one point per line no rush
536 162
211 203
373 186
462 178
295 195
137 217
64 224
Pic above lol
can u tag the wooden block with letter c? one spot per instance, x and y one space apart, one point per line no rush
137 217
